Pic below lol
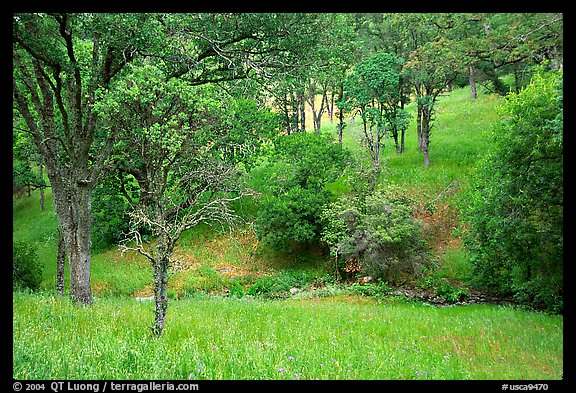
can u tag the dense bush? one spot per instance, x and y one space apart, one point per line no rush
291 218
513 211
26 269
378 231
304 163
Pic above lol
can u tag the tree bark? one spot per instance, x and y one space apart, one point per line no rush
426 118
331 107
302 110
426 155
472 82
160 297
395 136
341 117
287 114
60 265
295 112
41 187
516 78
74 211
419 127
403 98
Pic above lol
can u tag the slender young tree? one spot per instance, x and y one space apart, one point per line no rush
372 89
171 156
170 120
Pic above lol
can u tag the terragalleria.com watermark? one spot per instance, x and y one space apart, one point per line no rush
103 386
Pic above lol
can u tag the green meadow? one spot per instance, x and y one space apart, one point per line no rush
330 338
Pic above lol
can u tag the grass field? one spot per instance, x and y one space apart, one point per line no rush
223 338
219 326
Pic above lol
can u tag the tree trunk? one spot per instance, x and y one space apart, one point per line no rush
516 78
323 107
394 129
316 115
555 62
161 265
160 297
426 118
402 99
331 107
341 117
60 265
293 112
426 155
302 111
41 187
419 127
75 214
302 106
287 114
472 82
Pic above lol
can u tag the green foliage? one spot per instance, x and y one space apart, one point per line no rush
109 214
26 268
514 216
25 155
311 159
291 218
275 286
373 91
246 127
375 77
378 230
435 64
450 293
290 214
23 177
377 290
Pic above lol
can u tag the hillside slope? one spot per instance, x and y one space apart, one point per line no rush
238 264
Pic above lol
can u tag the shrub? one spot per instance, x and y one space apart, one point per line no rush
279 285
450 293
26 269
375 290
290 213
376 230
109 218
291 218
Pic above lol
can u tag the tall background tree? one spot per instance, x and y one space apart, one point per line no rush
431 68
373 91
